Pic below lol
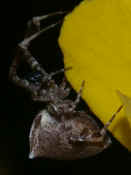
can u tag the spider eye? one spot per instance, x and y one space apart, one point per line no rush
34 77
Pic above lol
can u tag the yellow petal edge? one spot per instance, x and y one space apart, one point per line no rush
96 42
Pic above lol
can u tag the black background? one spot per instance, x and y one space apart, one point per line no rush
20 111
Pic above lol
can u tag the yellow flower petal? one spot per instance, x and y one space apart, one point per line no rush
96 42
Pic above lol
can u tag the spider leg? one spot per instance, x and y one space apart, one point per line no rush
98 140
66 90
23 47
75 103
17 80
33 25
104 129
24 53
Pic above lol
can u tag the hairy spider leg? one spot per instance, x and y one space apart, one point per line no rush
33 25
104 129
64 88
103 132
59 71
75 103
22 49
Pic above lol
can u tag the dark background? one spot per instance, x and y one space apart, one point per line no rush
19 110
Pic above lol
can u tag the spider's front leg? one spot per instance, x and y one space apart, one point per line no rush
33 31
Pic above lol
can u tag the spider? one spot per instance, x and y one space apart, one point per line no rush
59 131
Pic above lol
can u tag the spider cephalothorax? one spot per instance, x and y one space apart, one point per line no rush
59 131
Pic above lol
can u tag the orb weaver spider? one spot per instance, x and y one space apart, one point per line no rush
59 131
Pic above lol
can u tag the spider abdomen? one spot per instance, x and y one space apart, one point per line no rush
66 138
